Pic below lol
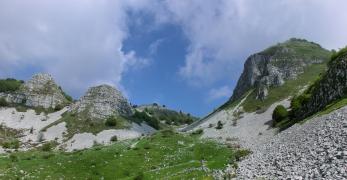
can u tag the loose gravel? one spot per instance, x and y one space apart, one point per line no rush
316 149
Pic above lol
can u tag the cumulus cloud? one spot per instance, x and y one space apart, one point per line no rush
218 93
78 41
224 32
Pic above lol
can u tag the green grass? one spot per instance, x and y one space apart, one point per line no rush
334 106
165 155
289 88
8 137
80 124
298 48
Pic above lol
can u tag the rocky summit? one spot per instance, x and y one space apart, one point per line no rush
273 66
40 91
102 101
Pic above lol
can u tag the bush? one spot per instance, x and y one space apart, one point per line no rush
58 107
219 125
9 85
13 158
11 144
280 113
46 147
239 154
3 102
114 139
198 132
111 121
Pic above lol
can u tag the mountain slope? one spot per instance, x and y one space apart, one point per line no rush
279 72
313 150
330 87
40 91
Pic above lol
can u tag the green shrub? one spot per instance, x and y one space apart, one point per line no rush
219 125
114 138
46 147
58 107
9 85
111 121
13 158
11 144
279 114
3 102
239 154
198 132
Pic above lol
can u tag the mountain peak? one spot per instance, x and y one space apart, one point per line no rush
276 65
102 101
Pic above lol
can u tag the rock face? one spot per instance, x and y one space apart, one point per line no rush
275 65
39 91
331 87
102 101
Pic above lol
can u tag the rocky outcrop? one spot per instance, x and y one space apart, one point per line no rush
331 87
102 101
275 65
40 91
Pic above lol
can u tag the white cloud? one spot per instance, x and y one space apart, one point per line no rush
80 41
77 41
219 93
224 32
153 47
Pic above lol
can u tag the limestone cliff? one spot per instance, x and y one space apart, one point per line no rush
277 64
40 91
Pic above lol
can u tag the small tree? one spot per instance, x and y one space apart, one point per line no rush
3 102
219 125
280 113
114 138
111 121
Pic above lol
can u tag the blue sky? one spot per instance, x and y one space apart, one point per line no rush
187 55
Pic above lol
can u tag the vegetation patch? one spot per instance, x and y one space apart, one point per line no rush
171 157
8 137
3 102
169 117
80 123
10 85
279 114
149 119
